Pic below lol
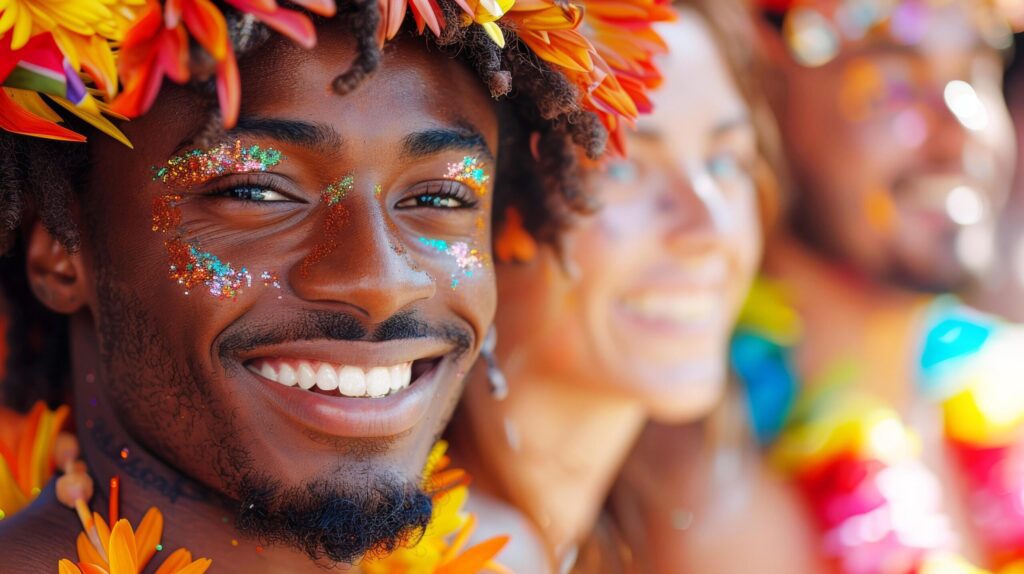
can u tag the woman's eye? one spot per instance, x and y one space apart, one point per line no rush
252 193
446 195
725 166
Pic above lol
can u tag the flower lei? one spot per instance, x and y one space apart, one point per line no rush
124 549
970 365
857 463
98 58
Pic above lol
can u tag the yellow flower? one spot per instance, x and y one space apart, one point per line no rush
486 13
30 17
440 550
124 550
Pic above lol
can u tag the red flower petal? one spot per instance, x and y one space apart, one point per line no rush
206 24
229 89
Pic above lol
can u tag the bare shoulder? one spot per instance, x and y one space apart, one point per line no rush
525 552
36 538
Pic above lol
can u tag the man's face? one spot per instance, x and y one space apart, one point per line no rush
902 145
285 312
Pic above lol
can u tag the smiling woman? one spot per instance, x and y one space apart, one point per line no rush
274 296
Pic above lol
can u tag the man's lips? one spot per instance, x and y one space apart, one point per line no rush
383 389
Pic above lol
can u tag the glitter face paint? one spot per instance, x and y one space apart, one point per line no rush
470 172
198 166
188 264
466 258
332 196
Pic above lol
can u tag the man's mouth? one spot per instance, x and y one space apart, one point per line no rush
341 380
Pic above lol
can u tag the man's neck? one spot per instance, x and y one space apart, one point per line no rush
194 517
847 317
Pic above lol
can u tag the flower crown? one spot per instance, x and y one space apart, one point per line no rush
108 58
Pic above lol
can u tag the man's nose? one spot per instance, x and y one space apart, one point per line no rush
361 264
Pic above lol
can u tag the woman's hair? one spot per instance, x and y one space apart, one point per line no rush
41 179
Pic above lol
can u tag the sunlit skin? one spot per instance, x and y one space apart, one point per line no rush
152 372
631 321
876 150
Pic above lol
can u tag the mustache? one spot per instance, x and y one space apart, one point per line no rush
307 325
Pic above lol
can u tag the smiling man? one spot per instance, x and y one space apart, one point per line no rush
269 318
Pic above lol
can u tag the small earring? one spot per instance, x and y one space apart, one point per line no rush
499 386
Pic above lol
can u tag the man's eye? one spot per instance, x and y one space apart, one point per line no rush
444 195
251 193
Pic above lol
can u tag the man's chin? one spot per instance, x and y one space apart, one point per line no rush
333 521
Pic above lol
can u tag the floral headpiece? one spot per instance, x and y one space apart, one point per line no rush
814 31
100 58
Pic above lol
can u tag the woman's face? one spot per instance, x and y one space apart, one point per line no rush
644 299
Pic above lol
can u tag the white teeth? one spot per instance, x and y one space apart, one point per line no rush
307 376
681 308
326 378
352 382
378 382
400 375
268 371
286 375
346 381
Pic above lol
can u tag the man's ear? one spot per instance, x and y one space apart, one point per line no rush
54 274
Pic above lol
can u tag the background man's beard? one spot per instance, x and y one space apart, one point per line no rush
325 519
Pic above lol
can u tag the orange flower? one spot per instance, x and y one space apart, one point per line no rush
606 48
26 448
126 551
157 46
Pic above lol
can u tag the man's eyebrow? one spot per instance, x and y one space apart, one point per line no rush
436 140
316 136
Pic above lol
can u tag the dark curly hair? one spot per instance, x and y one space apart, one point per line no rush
542 130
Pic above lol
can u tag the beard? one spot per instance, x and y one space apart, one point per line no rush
325 518
332 522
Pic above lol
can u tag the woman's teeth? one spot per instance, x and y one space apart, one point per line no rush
345 380
676 308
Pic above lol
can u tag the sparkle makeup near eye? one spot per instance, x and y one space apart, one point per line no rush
198 166
189 265
466 258
337 213
469 171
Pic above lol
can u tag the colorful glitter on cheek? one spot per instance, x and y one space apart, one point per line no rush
469 171
466 258
190 267
166 215
198 166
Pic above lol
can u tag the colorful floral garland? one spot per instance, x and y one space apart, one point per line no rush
125 48
857 463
